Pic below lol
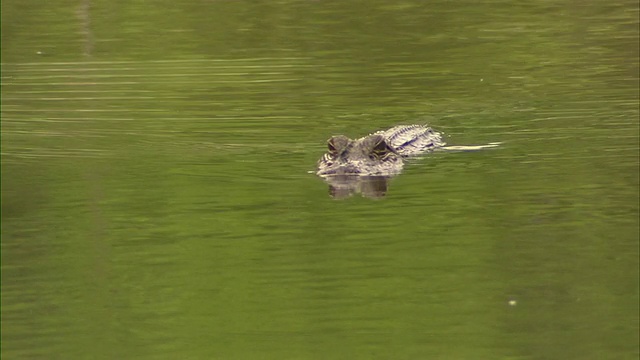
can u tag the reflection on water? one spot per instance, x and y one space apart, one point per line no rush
344 186
157 201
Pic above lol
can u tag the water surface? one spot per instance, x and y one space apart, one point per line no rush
157 200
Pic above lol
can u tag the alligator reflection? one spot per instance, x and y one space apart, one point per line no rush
344 186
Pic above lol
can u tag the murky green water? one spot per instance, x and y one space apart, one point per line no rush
157 201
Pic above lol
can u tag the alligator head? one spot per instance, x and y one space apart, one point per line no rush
367 156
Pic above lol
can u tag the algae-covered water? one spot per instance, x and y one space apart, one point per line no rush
157 200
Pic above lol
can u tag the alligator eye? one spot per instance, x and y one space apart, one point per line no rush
337 144
381 148
332 148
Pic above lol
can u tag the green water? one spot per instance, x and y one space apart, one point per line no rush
157 201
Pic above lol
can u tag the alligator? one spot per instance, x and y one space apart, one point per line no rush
364 165
378 154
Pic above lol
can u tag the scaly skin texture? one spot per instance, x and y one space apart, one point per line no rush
378 154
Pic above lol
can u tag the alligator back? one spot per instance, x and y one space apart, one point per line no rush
412 140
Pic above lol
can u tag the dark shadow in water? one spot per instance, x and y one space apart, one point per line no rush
344 186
